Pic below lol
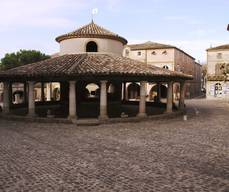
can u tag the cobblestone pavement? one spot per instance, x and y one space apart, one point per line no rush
170 155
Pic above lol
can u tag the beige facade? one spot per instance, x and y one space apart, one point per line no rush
217 85
168 57
78 45
158 57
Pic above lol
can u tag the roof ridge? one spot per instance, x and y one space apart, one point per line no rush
77 62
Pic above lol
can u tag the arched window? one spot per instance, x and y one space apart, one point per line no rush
133 91
218 89
153 53
91 47
165 67
164 52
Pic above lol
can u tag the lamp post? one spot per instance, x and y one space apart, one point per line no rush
228 27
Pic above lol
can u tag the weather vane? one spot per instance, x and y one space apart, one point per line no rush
94 12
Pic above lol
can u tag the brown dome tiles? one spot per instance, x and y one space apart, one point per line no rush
91 31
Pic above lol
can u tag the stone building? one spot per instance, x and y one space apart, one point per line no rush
91 75
217 85
171 58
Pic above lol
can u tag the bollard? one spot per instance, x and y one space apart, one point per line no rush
185 117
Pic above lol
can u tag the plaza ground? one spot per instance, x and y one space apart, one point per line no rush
169 155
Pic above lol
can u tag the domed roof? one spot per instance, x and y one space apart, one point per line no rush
92 30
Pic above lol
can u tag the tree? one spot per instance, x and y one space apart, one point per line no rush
225 70
21 57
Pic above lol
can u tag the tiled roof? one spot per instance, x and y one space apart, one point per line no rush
217 78
91 30
221 47
153 45
89 64
149 45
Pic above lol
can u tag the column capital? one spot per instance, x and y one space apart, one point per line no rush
170 82
31 82
143 82
72 82
6 82
103 81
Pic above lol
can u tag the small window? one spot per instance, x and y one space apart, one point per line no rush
139 53
153 53
165 67
164 52
91 47
219 55
92 91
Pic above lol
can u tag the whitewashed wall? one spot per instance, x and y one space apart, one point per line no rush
78 45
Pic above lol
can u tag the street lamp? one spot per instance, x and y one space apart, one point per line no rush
228 27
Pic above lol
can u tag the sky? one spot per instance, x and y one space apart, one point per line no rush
191 25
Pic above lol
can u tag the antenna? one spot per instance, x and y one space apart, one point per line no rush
93 13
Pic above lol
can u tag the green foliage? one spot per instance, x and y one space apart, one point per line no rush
21 57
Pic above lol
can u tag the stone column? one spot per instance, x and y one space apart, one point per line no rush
6 99
25 92
103 100
169 107
48 91
42 92
72 100
182 95
31 111
158 92
124 91
142 102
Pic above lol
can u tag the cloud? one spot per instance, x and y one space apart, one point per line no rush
36 13
183 19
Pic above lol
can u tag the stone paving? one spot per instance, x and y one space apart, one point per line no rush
169 156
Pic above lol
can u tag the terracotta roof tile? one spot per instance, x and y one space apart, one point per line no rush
221 47
149 45
91 30
89 64
153 45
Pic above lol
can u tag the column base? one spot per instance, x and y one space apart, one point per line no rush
169 111
31 115
103 117
141 115
5 112
73 119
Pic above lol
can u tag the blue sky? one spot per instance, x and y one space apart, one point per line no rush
190 25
